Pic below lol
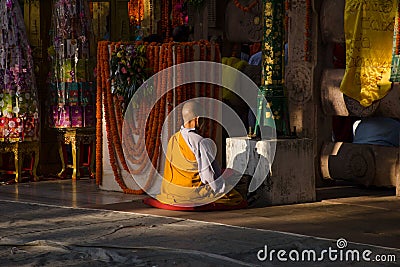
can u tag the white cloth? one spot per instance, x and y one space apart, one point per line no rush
205 151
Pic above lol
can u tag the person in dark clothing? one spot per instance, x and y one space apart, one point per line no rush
181 33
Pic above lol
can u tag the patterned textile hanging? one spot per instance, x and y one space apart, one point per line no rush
395 71
369 40
136 12
272 86
19 109
273 43
71 81
141 16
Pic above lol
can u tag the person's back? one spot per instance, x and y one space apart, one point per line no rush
191 174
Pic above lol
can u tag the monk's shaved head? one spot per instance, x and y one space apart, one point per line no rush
190 110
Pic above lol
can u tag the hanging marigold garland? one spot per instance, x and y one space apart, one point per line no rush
247 8
99 105
136 12
115 140
118 115
181 89
207 50
159 58
217 58
104 92
165 21
202 70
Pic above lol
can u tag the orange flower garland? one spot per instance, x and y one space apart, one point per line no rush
159 58
105 91
208 89
114 141
118 115
245 8
202 70
180 90
216 93
136 12
99 104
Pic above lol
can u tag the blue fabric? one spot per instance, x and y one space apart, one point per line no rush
256 59
377 131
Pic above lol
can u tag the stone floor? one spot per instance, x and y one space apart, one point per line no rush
363 217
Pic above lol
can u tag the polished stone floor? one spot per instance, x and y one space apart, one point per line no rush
368 216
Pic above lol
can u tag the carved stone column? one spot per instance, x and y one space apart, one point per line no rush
300 66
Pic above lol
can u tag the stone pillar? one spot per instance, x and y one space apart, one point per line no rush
299 78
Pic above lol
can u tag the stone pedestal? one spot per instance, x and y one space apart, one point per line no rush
291 178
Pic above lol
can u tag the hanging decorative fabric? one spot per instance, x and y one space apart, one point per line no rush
71 81
369 38
179 13
273 113
395 72
19 109
273 43
146 17
136 12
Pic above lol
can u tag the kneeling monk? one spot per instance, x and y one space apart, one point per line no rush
191 172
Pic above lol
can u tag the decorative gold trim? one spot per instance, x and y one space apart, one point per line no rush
20 149
75 137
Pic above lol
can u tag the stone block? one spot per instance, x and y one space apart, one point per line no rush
364 164
335 103
289 179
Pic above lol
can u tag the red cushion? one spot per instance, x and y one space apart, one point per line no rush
212 206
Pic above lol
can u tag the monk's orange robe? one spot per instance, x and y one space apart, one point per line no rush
182 184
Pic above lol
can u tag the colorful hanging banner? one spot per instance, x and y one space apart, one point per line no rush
273 43
274 112
71 86
395 68
368 29
19 108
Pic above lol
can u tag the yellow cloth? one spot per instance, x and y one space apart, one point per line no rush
229 80
369 38
182 185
